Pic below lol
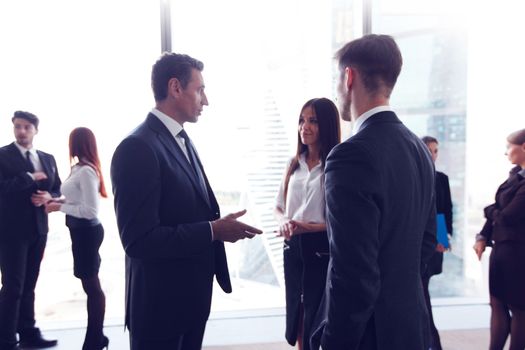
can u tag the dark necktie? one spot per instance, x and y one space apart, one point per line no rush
192 155
29 163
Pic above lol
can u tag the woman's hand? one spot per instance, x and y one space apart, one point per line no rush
286 229
479 248
52 206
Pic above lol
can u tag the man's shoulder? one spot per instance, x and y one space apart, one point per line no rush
7 148
7 151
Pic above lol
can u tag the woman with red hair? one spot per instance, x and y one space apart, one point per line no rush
82 191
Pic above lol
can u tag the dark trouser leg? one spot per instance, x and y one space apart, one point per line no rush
435 341
499 324
96 308
517 329
315 271
35 253
192 340
13 256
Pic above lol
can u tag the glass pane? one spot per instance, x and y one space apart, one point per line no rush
262 62
78 63
459 72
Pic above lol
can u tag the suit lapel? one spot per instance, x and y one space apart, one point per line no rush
46 167
18 157
173 147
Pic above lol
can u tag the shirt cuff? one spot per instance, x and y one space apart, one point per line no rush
31 176
480 238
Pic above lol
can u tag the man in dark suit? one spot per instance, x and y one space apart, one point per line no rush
380 212
28 179
168 216
435 264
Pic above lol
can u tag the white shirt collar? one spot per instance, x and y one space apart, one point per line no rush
363 117
23 150
522 172
173 126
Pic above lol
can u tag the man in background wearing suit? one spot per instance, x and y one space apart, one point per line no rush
168 216
435 264
28 179
380 212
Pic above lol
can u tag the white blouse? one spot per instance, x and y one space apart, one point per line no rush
81 191
305 198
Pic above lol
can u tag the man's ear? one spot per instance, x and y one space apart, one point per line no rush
349 77
174 86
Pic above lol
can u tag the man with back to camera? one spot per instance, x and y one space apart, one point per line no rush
168 217
380 212
28 179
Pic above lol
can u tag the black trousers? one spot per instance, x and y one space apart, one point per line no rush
20 266
191 340
435 341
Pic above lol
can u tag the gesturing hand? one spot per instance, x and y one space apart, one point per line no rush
229 229
40 198
39 175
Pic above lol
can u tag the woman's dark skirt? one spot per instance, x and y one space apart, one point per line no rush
305 268
85 243
507 273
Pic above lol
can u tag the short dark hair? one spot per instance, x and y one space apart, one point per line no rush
377 58
30 117
172 65
517 137
429 139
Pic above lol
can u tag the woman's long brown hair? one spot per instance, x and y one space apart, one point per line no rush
83 145
329 134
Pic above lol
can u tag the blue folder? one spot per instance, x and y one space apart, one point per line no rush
442 234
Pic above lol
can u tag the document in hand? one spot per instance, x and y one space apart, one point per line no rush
442 234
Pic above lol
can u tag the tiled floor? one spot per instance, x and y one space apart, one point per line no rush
462 325
71 339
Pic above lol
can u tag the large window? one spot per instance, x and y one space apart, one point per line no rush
77 63
87 63
263 61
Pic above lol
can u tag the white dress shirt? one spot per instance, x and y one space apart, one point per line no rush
35 160
81 192
363 117
305 197
174 128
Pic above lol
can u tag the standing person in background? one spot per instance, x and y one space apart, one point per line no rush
168 218
300 211
82 191
504 231
435 265
381 212
28 179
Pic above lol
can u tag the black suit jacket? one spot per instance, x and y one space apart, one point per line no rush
506 217
443 206
381 220
19 218
163 220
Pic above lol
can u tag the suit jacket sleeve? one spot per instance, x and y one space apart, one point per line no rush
137 180
428 247
12 184
351 195
510 213
448 204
